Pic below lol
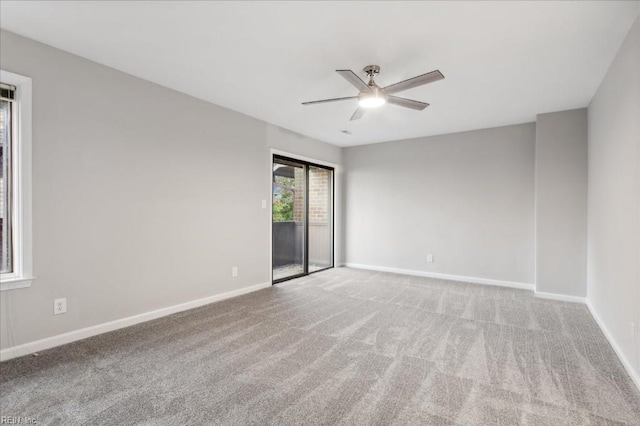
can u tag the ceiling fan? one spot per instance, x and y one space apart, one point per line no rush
371 95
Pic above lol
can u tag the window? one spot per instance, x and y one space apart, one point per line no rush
15 181
7 98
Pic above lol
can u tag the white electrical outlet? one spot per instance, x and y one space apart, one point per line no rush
60 306
234 271
430 258
633 330
264 204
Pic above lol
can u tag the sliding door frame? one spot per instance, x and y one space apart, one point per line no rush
306 162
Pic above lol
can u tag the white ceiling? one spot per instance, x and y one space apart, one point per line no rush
504 62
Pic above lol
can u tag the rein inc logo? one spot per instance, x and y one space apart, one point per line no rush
17 420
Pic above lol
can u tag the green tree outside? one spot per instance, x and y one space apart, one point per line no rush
283 199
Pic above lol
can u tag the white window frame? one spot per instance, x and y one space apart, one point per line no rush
22 274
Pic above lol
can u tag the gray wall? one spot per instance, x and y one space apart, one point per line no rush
561 203
467 198
142 197
613 281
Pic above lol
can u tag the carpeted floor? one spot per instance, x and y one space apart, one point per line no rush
342 346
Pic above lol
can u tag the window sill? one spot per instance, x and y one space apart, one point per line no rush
14 283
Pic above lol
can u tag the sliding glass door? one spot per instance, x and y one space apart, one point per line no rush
302 218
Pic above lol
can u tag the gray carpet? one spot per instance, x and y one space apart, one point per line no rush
339 347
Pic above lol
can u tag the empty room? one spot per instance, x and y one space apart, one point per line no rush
320 212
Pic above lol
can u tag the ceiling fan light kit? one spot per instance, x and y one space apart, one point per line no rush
373 99
371 95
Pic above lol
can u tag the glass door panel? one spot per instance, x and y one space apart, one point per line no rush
289 219
320 215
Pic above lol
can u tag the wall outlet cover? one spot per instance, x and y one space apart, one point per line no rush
60 306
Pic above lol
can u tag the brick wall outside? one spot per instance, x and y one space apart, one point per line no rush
319 193
298 198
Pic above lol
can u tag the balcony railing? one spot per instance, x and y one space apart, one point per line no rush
288 244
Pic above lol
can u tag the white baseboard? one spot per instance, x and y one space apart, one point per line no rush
560 297
623 359
474 280
83 333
